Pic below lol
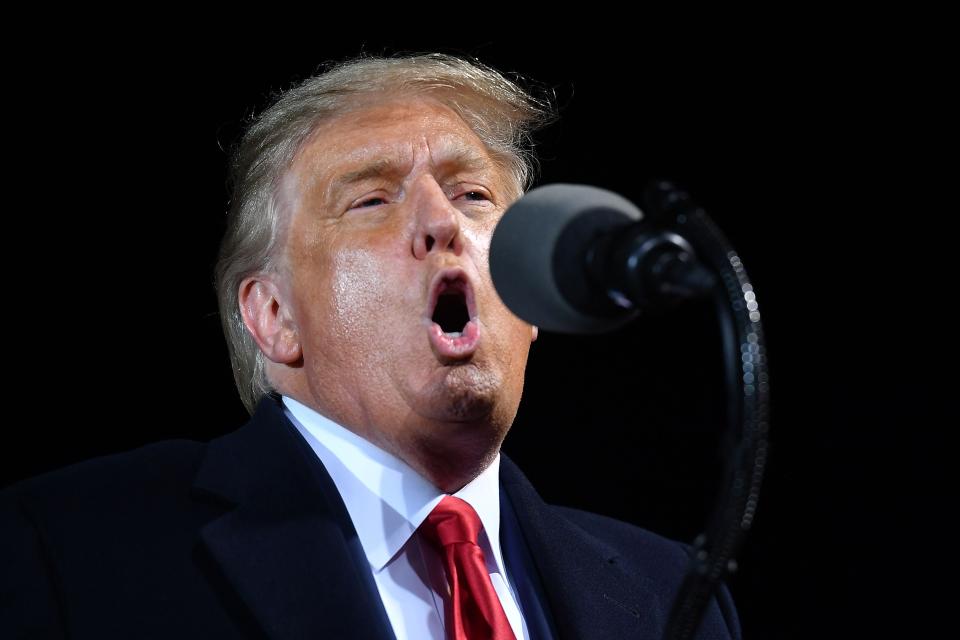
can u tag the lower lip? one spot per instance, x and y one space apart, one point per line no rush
456 348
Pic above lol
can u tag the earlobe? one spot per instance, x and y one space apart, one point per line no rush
268 320
535 332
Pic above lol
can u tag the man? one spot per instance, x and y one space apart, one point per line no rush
367 496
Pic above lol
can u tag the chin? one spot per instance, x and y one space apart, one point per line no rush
463 415
465 394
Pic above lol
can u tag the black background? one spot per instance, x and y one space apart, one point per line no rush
810 149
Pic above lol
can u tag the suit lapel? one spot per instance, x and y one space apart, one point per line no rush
287 544
589 594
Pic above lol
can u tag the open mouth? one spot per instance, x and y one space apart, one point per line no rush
453 330
451 311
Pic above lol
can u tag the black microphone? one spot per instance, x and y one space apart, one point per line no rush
579 259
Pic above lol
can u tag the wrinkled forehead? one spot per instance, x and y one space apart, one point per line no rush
386 140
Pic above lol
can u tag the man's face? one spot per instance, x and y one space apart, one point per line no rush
403 338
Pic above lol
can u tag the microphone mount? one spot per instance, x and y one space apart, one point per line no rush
644 267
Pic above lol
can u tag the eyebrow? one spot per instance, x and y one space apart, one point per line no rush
462 159
374 169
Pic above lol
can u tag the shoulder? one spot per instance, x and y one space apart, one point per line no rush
648 552
660 560
105 487
117 528
607 553
617 532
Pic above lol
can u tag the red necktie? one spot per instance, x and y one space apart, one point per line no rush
474 611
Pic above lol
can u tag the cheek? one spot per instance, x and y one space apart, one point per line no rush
338 293
478 237
356 294
478 243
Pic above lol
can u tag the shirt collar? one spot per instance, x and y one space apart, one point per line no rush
386 499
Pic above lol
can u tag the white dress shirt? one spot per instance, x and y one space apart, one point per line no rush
387 501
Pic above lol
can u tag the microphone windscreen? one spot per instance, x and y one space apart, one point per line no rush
537 255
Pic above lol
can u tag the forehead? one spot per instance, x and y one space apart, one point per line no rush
390 138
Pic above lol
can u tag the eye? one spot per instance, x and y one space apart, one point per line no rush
369 202
478 196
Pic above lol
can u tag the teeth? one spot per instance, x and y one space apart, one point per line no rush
453 334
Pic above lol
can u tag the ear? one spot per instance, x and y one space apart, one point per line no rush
267 316
535 331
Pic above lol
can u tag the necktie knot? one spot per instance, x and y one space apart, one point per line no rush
452 521
473 608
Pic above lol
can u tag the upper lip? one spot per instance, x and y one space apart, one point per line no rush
452 275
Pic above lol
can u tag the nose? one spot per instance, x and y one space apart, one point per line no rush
437 221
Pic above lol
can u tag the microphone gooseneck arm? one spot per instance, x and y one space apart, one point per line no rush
748 398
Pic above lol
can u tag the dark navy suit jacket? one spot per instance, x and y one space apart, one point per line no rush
247 537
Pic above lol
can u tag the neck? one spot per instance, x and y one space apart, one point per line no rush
450 467
447 454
